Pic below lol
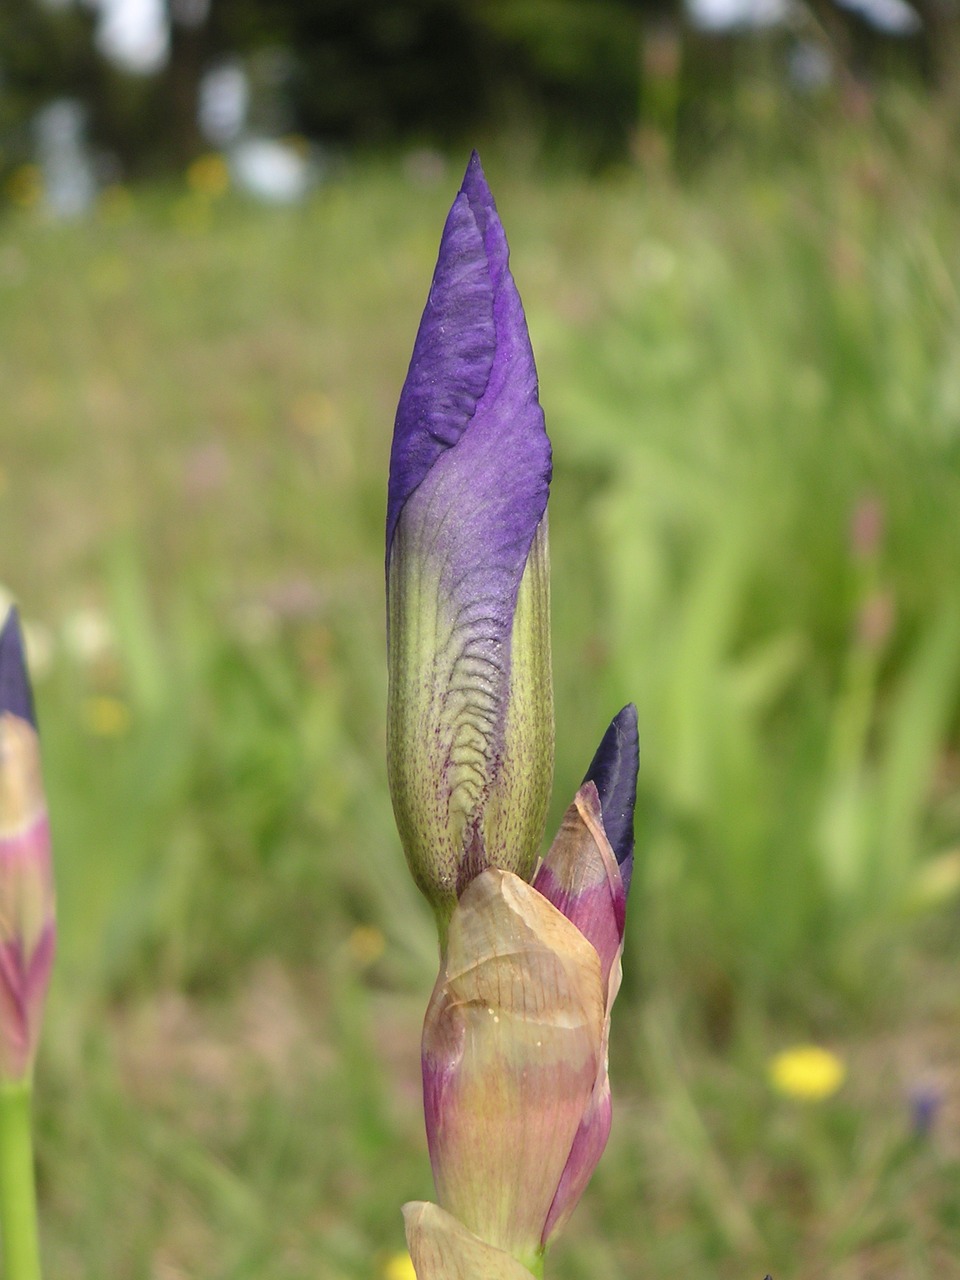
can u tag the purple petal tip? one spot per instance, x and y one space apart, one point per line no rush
472 339
475 186
613 770
16 696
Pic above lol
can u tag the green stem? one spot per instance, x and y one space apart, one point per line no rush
18 1199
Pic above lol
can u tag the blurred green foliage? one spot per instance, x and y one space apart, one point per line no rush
753 388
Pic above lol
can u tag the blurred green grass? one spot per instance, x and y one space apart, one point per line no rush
752 382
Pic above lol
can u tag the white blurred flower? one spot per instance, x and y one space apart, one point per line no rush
88 634
271 170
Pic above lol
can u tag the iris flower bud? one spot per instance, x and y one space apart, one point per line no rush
27 925
514 1050
470 711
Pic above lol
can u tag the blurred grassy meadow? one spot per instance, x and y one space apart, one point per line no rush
752 382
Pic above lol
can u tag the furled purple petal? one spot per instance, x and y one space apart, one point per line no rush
614 771
470 726
16 695
472 366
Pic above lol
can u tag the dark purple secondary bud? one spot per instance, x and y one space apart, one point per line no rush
613 771
16 696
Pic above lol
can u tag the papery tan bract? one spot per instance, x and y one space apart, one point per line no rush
513 1044
581 878
443 1249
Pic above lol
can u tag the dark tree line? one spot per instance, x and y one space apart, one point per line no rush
589 73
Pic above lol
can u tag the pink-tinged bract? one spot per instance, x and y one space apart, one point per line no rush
512 1047
27 923
580 877
516 1087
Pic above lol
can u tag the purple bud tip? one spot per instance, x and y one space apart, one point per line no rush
613 771
472 354
16 695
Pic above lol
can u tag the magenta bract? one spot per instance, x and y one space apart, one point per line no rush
27 925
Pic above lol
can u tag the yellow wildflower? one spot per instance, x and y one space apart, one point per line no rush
399 1266
807 1072
106 716
366 944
